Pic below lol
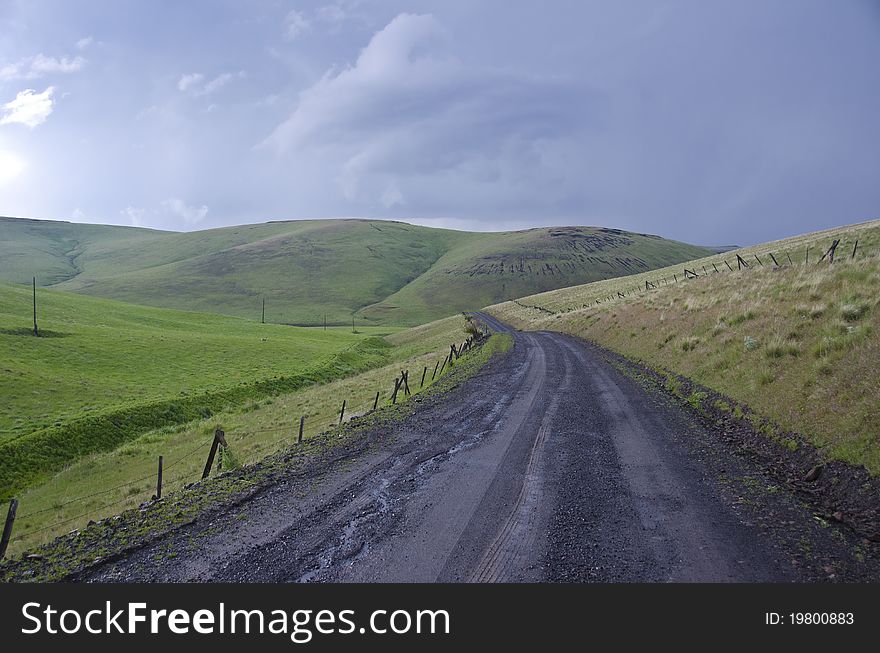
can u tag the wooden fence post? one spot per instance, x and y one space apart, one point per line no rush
774 259
728 266
7 527
424 373
807 256
376 400
405 378
36 330
219 438
830 252
741 262
159 480
342 412
302 421
444 364
789 258
757 259
394 394
855 247
436 365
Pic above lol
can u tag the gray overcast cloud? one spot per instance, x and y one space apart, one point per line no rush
711 122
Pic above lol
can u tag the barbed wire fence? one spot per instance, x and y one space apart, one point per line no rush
836 251
220 447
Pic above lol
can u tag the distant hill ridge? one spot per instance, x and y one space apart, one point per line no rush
372 271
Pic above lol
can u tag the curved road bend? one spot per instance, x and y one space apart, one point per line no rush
546 465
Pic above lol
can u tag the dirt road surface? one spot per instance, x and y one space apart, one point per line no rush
547 465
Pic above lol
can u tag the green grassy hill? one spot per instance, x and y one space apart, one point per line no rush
380 272
797 342
119 385
103 371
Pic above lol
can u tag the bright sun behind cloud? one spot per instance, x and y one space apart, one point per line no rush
10 167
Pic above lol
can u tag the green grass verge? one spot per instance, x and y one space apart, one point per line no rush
262 442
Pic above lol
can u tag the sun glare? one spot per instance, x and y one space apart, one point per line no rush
10 167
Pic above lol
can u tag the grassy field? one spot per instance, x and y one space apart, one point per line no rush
104 371
105 483
377 272
799 343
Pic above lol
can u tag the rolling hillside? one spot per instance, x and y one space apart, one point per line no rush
103 372
798 342
379 272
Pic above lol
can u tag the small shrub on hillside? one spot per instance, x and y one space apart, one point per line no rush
743 317
778 348
750 343
690 343
854 311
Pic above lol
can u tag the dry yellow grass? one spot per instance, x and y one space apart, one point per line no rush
799 343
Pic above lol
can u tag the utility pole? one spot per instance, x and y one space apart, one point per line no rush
36 330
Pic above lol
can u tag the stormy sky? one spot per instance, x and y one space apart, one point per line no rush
711 122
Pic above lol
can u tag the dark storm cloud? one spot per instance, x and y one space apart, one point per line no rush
711 122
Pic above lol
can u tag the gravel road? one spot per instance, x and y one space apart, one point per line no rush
548 465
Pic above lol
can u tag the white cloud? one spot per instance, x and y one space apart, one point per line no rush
217 83
134 215
195 84
189 214
188 81
84 43
40 66
28 108
295 23
408 111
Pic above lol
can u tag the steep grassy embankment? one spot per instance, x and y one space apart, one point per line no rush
799 343
378 272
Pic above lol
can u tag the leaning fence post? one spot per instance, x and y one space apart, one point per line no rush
7 528
394 394
302 420
774 259
342 412
219 438
376 400
855 247
424 372
444 364
436 365
159 480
